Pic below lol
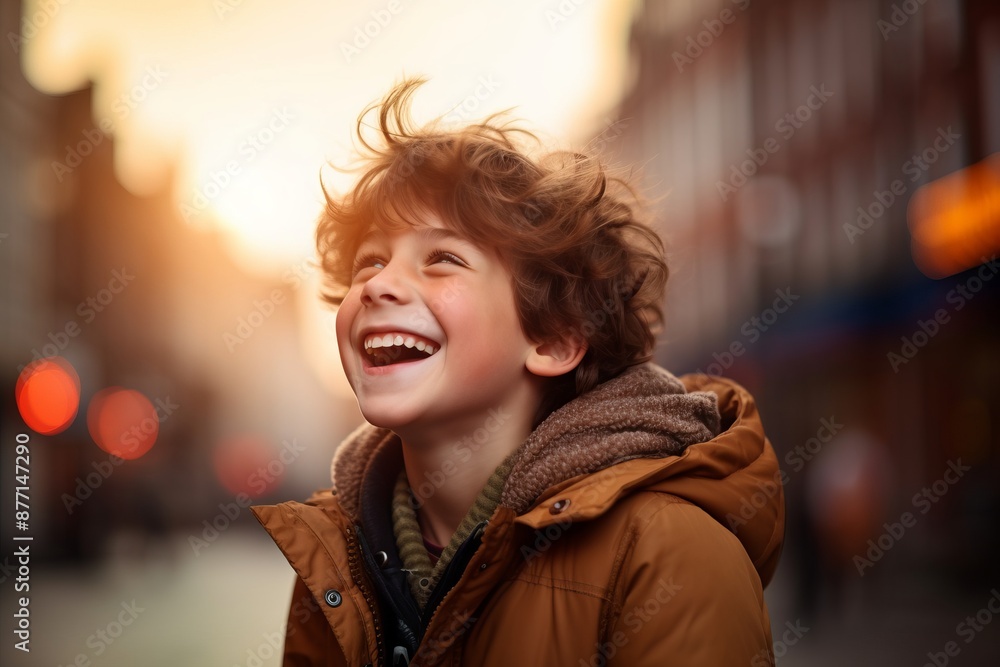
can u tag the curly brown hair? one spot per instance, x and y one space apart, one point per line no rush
581 261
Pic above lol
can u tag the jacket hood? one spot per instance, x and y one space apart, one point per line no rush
698 438
734 477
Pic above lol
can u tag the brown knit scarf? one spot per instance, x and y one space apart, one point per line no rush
643 413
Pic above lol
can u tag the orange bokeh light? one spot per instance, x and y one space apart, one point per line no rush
122 422
955 220
248 465
48 395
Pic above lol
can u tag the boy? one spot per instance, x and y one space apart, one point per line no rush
529 490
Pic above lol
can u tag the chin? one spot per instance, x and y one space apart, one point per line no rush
389 417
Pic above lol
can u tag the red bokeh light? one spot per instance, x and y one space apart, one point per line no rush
48 395
248 464
122 422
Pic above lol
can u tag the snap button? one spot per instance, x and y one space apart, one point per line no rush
425 582
381 558
559 506
333 598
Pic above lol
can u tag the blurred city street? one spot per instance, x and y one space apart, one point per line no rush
826 176
227 607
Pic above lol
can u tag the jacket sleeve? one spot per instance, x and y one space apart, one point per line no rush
309 640
689 594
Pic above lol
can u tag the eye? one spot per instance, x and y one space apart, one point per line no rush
367 260
444 257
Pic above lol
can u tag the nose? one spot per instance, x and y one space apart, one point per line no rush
390 285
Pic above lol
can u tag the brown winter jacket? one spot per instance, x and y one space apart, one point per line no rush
616 542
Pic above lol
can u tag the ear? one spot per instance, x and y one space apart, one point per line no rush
556 357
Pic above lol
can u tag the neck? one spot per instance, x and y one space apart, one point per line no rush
447 469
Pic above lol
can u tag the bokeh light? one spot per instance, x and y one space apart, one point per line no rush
123 422
249 465
955 220
48 395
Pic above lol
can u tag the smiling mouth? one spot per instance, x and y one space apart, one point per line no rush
385 349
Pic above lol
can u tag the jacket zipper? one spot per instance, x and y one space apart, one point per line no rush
400 616
448 578
358 574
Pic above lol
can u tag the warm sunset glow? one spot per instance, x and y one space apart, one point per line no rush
48 395
122 422
236 108
244 102
955 220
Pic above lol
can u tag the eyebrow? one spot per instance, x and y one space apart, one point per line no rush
432 234
441 234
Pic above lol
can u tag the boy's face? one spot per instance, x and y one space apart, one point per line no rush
420 290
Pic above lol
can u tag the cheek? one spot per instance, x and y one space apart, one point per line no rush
488 330
346 313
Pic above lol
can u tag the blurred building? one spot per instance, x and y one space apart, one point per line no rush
133 296
789 138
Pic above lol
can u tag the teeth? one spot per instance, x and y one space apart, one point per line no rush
375 342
